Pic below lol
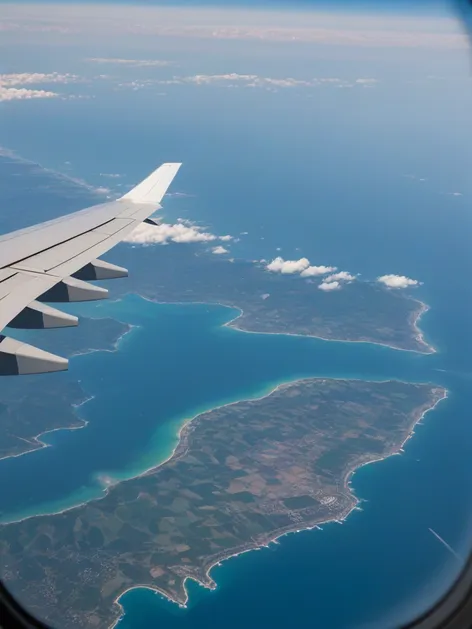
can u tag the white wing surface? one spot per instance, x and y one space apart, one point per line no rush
54 262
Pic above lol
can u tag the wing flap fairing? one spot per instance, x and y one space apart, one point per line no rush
17 358
100 270
72 289
39 316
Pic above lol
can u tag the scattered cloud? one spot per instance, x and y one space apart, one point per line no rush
111 175
341 276
12 85
366 81
36 78
179 194
135 63
455 194
226 238
164 233
102 190
329 286
397 281
234 79
415 177
181 232
303 267
279 265
313 271
142 84
12 93
219 250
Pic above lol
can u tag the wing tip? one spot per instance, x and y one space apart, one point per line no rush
153 188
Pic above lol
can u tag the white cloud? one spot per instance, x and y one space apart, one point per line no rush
179 194
136 63
102 190
233 79
226 238
397 281
342 275
279 265
219 250
313 271
288 82
329 286
13 93
143 84
36 78
11 85
164 233
111 175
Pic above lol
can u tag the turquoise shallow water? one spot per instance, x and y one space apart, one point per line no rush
176 361
179 360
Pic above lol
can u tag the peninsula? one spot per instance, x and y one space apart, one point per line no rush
241 476
274 303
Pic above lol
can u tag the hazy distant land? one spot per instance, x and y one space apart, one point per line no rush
242 475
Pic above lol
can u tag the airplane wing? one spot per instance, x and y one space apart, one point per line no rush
54 262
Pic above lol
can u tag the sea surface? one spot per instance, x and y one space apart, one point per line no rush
369 215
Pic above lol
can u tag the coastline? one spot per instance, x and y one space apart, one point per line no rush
419 337
180 436
36 442
208 582
187 421
185 429
423 309
413 320
54 173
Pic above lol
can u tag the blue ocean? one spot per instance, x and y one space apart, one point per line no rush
364 181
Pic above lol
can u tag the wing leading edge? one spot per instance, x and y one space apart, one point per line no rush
54 261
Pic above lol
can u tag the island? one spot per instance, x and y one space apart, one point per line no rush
241 476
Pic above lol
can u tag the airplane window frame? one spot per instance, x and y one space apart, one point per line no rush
452 611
